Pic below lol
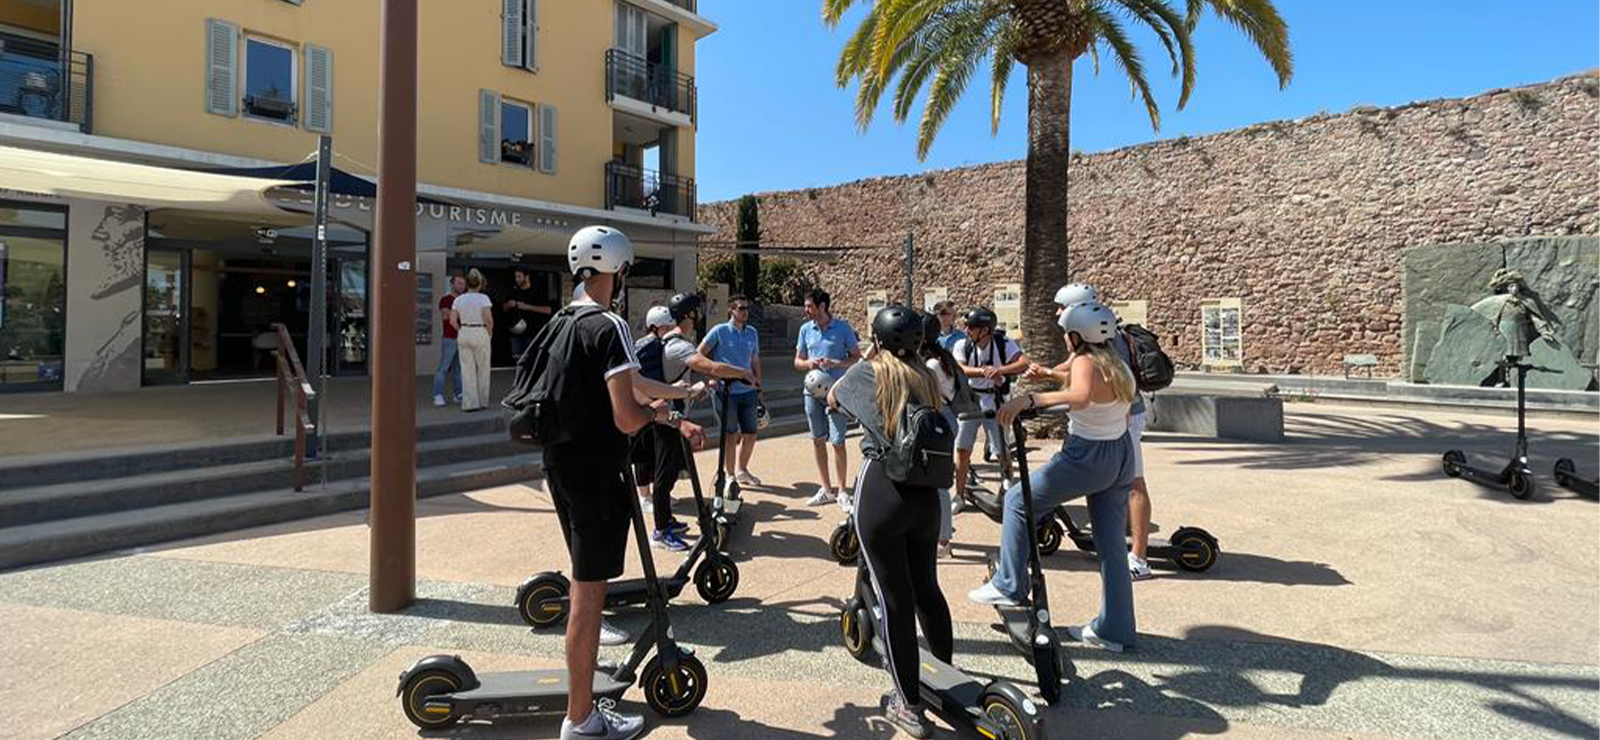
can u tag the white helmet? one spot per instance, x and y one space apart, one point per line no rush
659 316
1076 293
818 382
598 250
1094 322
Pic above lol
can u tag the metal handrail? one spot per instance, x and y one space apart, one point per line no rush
635 77
634 187
291 371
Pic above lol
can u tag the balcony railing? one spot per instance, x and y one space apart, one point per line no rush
633 77
685 4
648 190
38 81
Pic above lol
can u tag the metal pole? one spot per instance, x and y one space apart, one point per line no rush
911 261
317 333
392 523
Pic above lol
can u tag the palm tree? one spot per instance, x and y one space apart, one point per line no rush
947 40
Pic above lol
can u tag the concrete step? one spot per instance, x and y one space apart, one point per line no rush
88 535
98 465
83 498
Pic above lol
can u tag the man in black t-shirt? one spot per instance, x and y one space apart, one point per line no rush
586 475
524 312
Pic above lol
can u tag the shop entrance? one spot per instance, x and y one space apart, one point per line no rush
213 290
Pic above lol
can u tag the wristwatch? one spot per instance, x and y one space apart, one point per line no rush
675 417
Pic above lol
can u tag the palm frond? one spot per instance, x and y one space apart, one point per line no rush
1171 29
1107 28
1005 58
947 28
834 10
1260 22
856 54
900 20
956 66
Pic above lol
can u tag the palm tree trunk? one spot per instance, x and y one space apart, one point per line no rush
1044 262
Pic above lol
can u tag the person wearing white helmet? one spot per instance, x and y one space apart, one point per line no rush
591 353
1096 461
648 348
1139 497
828 344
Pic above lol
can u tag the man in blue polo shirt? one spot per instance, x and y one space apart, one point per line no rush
735 343
825 343
948 333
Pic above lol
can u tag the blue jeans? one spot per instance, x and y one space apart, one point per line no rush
449 368
824 423
1103 470
742 416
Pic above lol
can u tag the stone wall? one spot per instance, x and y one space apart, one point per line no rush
1305 221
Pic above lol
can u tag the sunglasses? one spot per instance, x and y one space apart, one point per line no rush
741 307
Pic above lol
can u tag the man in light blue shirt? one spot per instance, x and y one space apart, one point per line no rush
735 343
828 344
948 333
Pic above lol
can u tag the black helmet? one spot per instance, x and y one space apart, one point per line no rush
981 317
899 330
683 304
931 329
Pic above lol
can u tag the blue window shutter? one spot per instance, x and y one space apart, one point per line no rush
547 139
488 126
530 36
319 89
512 26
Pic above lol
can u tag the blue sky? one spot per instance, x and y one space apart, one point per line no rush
771 117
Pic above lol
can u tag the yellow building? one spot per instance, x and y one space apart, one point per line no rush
536 117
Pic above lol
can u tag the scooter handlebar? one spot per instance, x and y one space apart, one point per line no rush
981 414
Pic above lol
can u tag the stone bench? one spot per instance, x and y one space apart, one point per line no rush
1352 362
1257 418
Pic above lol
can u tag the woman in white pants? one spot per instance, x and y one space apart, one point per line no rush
474 321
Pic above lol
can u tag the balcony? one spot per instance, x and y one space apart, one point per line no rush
38 81
685 4
649 89
648 190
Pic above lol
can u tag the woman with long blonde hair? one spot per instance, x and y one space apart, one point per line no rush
1095 461
897 523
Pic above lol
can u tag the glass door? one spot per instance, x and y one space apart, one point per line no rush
347 312
166 320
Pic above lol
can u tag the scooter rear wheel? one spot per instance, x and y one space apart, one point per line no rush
414 695
1454 461
539 602
678 692
1563 471
716 579
1050 534
843 545
1198 549
1520 484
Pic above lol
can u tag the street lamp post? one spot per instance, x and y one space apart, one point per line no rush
392 523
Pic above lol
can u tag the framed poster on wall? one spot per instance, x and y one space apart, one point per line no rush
1132 312
1008 309
933 296
1221 322
877 300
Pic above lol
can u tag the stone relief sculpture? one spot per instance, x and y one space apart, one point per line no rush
120 236
1514 322
115 306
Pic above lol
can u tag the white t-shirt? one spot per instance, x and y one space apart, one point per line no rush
970 354
947 383
470 306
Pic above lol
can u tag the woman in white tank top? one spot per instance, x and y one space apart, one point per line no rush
1096 461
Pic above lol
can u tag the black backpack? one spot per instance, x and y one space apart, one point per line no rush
922 452
539 399
1152 368
650 354
997 343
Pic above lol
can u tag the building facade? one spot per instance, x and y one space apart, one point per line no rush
536 117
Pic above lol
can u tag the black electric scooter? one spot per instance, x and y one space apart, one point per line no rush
1189 548
440 690
995 709
1516 476
1566 475
1028 624
1047 536
542 599
725 504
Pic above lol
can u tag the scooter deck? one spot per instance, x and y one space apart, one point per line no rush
511 693
634 590
946 689
1017 624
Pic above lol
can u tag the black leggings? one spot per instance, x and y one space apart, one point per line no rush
668 464
899 531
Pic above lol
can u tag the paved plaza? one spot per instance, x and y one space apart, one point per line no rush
1360 595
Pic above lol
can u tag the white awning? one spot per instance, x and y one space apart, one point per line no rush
70 176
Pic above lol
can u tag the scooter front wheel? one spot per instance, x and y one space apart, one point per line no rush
414 698
843 544
856 628
716 579
1454 461
1520 484
1010 717
1050 534
1197 549
677 692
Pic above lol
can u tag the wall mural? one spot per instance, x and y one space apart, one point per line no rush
105 331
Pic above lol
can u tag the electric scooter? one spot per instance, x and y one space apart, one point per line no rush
725 505
1516 476
542 599
1566 475
440 690
1028 623
1189 548
995 709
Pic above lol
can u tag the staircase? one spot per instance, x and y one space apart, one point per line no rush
80 504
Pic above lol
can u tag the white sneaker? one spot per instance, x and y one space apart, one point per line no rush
438 401
1086 635
746 479
958 504
823 496
610 634
847 502
604 723
1139 568
988 594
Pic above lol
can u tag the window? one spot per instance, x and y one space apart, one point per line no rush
269 81
516 133
518 30
33 297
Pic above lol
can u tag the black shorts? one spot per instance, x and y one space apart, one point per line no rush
594 508
642 452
